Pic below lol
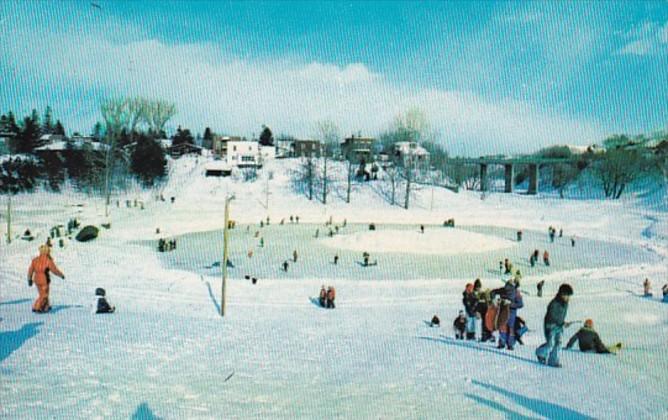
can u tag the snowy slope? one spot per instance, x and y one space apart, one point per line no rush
167 353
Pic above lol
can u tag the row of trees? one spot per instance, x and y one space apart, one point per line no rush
400 172
27 132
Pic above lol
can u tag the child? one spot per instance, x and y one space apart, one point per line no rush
460 326
103 306
331 296
520 328
589 340
322 299
647 288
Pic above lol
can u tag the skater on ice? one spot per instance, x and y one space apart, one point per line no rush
285 266
539 288
546 258
553 326
664 290
102 305
435 321
39 273
589 340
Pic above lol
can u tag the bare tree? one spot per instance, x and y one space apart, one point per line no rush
328 134
158 113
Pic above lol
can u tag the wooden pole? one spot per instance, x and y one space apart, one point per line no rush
224 265
9 218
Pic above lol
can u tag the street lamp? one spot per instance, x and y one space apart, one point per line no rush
224 264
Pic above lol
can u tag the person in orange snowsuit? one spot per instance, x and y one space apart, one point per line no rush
38 272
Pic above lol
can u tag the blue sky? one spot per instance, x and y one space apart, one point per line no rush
491 77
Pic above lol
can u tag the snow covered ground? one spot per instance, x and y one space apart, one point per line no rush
167 353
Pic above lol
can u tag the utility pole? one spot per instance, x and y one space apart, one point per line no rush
9 218
225 253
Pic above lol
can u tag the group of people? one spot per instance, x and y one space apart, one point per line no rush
647 290
39 273
533 258
327 296
166 245
497 309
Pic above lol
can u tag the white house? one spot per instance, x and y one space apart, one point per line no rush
404 149
243 154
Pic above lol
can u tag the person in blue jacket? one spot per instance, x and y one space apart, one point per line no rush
510 294
553 327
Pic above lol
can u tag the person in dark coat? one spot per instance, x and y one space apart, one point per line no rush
460 326
470 305
331 296
553 326
539 288
664 290
588 339
103 306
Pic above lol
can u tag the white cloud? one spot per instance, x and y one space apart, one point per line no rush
238 96
647 38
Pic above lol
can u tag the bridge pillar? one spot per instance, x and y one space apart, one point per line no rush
533 179
509 177
483 177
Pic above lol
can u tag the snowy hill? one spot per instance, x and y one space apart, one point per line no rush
167 353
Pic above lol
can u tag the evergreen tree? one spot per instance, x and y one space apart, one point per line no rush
28 137
4 121
47 124
18 175
266 137
53 166
207 140
182 136
98 131
12 127
59 129
148 160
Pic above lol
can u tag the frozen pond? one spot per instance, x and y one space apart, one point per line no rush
459 259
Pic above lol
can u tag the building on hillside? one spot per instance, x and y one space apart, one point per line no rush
358 148
217 168
284 147
306 148
267 153
220 144
407 150
69 148
243 154
184 149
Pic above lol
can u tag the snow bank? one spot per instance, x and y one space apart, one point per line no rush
432 242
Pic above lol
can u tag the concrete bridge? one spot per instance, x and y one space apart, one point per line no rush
534 163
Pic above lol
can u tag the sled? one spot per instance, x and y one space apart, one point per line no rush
615 348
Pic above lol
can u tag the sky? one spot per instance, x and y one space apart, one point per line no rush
490 77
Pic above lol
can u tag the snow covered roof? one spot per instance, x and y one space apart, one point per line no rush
406 147
62 145
217 165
